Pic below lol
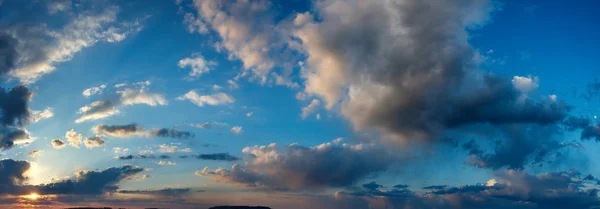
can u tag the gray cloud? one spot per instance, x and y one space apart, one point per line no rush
217 156
297 167
58 144
12 174
591 132
512 189
92 142
14 106
171 133
8 53
92 182
11 136
164 191
133 129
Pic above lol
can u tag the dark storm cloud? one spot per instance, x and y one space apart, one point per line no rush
12 174
164 191
8 53
591 132
297 167
513 189
14 106
92 182
10 136
172 133
520 145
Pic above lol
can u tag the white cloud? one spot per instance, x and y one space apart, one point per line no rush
97 110
249 114
310 108
232 84
74 138
37 115
197 64
163 163
140 96
237 130
216 87
525 84
85 30
201 100
163 148
93 90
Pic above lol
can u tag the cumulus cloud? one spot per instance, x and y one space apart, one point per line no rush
237 130
171 133
406 80
14 106
197 64
163 163
93 182
310 108
299 167
212 99
246 30
92 142
58 144
525 84
93 90
74 138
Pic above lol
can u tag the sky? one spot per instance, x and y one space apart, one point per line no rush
300 103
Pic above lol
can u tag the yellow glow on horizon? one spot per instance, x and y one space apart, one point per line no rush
32 196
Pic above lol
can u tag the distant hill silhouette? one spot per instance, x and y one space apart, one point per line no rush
240 207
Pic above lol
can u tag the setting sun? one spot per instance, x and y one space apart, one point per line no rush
32 196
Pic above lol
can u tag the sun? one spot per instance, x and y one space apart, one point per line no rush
32 196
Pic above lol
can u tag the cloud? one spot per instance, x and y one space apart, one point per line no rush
513 189
249 114
217 156
163 148
35 50
591 132
126 130
93 182
525 84
58 144
237 130
12 174
197 64
406 80
140 96
169 149
10 137
205 125
74 138
125 97
171 133
163 191
92 142
213 99
14 106
34 153
8 52
93 90
162 162
37 115
133 129
298 167
97 110
246 30
310 108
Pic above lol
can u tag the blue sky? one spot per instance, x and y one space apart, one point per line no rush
274 102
